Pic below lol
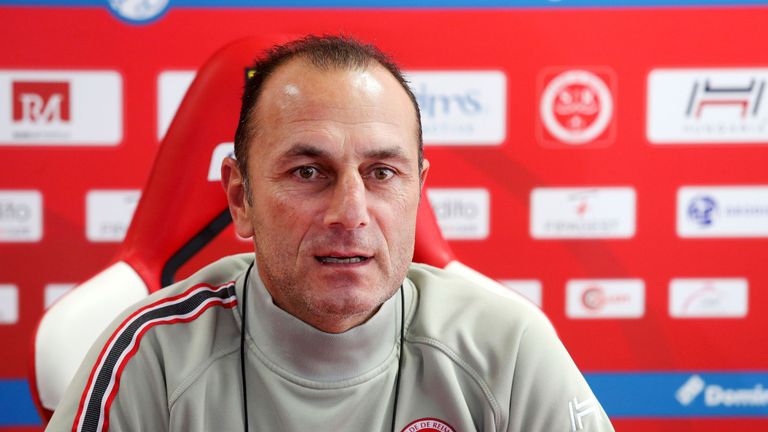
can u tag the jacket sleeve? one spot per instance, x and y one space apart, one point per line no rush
548 391
118 387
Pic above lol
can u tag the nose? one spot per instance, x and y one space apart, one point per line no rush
348 208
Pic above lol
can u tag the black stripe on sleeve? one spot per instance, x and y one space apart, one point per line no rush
107 374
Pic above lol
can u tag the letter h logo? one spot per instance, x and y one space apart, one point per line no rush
745 98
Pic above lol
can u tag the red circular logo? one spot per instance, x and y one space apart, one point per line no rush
576 107
593 298
429 425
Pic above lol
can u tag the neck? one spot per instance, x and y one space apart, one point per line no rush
303 350
337 324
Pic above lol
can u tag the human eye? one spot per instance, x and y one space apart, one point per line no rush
306 173
382 173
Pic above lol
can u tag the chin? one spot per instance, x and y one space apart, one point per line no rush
348 304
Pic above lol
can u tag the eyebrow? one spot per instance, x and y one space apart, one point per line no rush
386 153
307 150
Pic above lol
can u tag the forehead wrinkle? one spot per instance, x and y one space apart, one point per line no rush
310 119
307 150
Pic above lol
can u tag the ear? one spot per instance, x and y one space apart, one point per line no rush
233 182
423 173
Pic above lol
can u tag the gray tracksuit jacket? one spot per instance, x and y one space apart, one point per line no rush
473 360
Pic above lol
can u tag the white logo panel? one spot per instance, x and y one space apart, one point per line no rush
9 304
699 106
55 291
461 108
171 88
722 211
582 213
221 151
109 213
21 216
708 298
605 298
528 288
67 108
462 214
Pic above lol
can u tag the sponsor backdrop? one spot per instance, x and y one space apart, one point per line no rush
607 162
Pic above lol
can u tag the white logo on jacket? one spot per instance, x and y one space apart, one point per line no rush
579 410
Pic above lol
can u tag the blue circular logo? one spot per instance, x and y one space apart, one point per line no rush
138 11
702 210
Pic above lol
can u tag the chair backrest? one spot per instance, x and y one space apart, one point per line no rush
182 208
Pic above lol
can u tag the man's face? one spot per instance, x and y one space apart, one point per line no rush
335 183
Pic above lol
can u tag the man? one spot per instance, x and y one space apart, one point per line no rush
331 328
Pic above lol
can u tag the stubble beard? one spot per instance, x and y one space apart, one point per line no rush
318 305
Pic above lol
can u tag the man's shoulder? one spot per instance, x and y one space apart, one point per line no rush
459 291
220 272
211 285
501 343
159 346
459 305
181 326
191 301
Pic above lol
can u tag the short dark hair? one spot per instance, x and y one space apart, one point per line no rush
325 53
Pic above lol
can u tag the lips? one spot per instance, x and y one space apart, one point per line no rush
342 258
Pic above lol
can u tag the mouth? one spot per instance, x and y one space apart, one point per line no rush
346 260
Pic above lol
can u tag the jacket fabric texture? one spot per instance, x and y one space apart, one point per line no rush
473 360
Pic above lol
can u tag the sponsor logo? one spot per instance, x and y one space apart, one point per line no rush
690 390
55 291
40 102
221 151
702 209
9 304
708 298
138 11
745 99
605 298
428 425
462 214
680 394
21 216
690 106
576 109
109 213
528 288
60 108
716 395
171 88
579 410
461 108
722 211
574 213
